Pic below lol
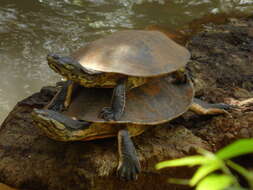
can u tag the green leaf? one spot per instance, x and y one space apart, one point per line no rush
190 161
215 182
235 188
243 146
241 170
248 175
204 171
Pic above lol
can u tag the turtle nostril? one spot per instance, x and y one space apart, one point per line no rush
54 56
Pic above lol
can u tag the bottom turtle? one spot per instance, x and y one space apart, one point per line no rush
154 103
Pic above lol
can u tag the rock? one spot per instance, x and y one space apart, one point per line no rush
5 187
30 160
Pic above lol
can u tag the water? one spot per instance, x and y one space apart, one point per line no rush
30 29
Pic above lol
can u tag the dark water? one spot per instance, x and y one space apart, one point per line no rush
30 29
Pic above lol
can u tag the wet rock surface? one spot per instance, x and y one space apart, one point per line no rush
222 71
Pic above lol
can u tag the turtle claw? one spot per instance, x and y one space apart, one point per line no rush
129 169
107 114
57 107
227 106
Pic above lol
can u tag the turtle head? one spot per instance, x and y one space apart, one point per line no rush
47 121
63 65
58 126
68 66
48 118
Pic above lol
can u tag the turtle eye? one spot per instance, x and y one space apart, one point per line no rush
69 67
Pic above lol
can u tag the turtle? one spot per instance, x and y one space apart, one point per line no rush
122 60
151 104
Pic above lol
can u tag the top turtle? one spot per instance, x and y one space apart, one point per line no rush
122 60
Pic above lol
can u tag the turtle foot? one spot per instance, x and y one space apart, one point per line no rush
57 107
107 114
226 106
129 169
129 165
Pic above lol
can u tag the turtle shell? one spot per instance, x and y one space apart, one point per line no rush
153 103
134 53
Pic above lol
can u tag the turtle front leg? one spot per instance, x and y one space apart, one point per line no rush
129 165
203 108
62 99
117 103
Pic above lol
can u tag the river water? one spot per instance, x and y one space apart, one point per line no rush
30 29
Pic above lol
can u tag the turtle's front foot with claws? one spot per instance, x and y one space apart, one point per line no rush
57 107
61 100
107 114
117 105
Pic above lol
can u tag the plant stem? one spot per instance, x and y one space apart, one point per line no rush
226 170
246 174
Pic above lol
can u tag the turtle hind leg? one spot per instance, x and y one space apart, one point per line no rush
204 108
129 166
117 103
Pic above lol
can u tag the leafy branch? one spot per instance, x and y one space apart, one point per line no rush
205 177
